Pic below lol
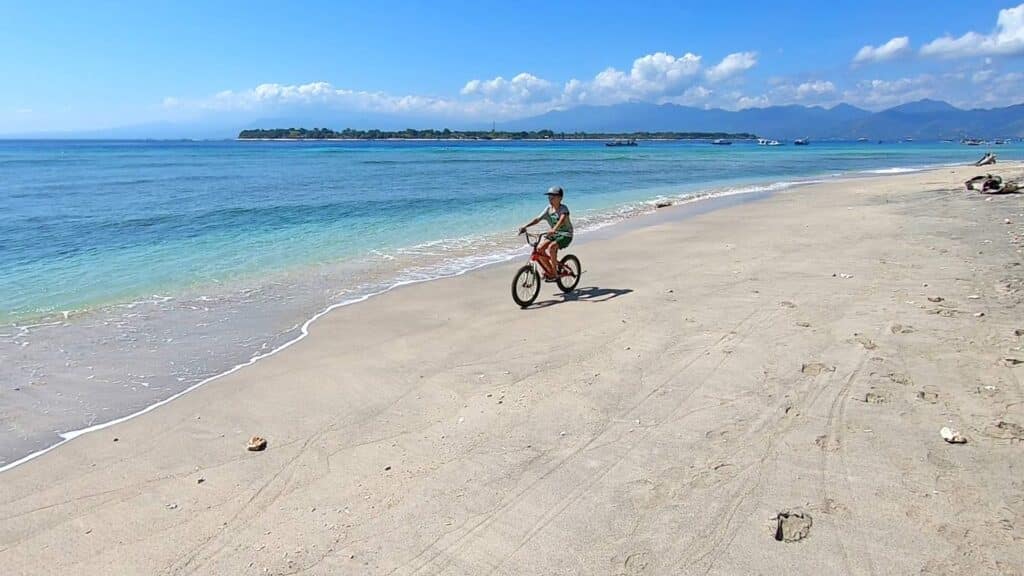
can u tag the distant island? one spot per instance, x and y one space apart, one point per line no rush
446 134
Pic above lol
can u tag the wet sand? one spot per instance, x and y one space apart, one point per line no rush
798 354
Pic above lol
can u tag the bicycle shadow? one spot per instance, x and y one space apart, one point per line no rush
589 294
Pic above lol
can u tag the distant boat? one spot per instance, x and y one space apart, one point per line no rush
801 142
721 142
862 139
971 141
630 142
767 142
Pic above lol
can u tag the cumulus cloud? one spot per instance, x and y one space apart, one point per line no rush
814 89
1006 40
270 96
657 77
896 47
885 93
653 75
731 65
982 76
523 87
743 102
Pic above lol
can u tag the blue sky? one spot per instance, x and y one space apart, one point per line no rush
90 65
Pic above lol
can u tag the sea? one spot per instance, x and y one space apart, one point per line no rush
134 271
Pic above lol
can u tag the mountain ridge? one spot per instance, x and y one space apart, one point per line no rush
924 119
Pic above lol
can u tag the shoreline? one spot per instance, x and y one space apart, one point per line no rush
715 199
797 353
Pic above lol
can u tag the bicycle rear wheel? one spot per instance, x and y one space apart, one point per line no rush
525 286
569 273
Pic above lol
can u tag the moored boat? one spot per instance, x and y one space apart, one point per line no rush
801 142
722 142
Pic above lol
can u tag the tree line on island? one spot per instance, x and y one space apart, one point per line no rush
446 134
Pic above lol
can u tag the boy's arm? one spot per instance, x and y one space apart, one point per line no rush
530 223
561 220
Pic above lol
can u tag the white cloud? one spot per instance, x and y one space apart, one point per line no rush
731 65
523 87
885 93
896 47
657 77
652 76
1006 40
752 102
271 96
982 76
693 96
814 89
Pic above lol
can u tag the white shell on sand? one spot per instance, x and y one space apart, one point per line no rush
952 437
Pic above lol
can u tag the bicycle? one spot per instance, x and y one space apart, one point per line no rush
526 282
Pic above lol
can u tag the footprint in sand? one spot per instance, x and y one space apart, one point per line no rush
1006 431
930 397
815 368
636 563
787 304
864 341
875 398
899 378
901 329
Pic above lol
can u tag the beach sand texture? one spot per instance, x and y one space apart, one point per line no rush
796 355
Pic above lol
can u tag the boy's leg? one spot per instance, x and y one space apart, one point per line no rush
553 255
545 262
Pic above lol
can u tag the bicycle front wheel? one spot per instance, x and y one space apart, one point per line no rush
525 286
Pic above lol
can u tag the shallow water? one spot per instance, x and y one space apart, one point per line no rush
132 270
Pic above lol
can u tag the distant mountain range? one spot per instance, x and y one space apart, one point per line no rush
923 120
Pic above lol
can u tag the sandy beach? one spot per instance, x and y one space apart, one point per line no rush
794 355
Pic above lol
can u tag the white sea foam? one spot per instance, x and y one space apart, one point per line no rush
895 170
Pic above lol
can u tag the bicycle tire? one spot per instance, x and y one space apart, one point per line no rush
568 283
527 279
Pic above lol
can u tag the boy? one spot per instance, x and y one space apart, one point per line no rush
557 216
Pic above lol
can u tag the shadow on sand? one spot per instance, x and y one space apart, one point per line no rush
590 294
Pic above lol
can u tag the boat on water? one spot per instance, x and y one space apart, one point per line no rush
767 142
801 142
722 142
862 139
630 142
971 141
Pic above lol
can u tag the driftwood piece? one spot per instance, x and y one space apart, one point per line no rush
988 158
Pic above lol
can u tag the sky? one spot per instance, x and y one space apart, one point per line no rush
84 65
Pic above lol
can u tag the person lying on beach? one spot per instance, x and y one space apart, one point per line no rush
556 215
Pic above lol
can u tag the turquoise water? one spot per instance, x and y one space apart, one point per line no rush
132 271
88 223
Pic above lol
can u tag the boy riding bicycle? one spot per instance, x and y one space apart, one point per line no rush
556 215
